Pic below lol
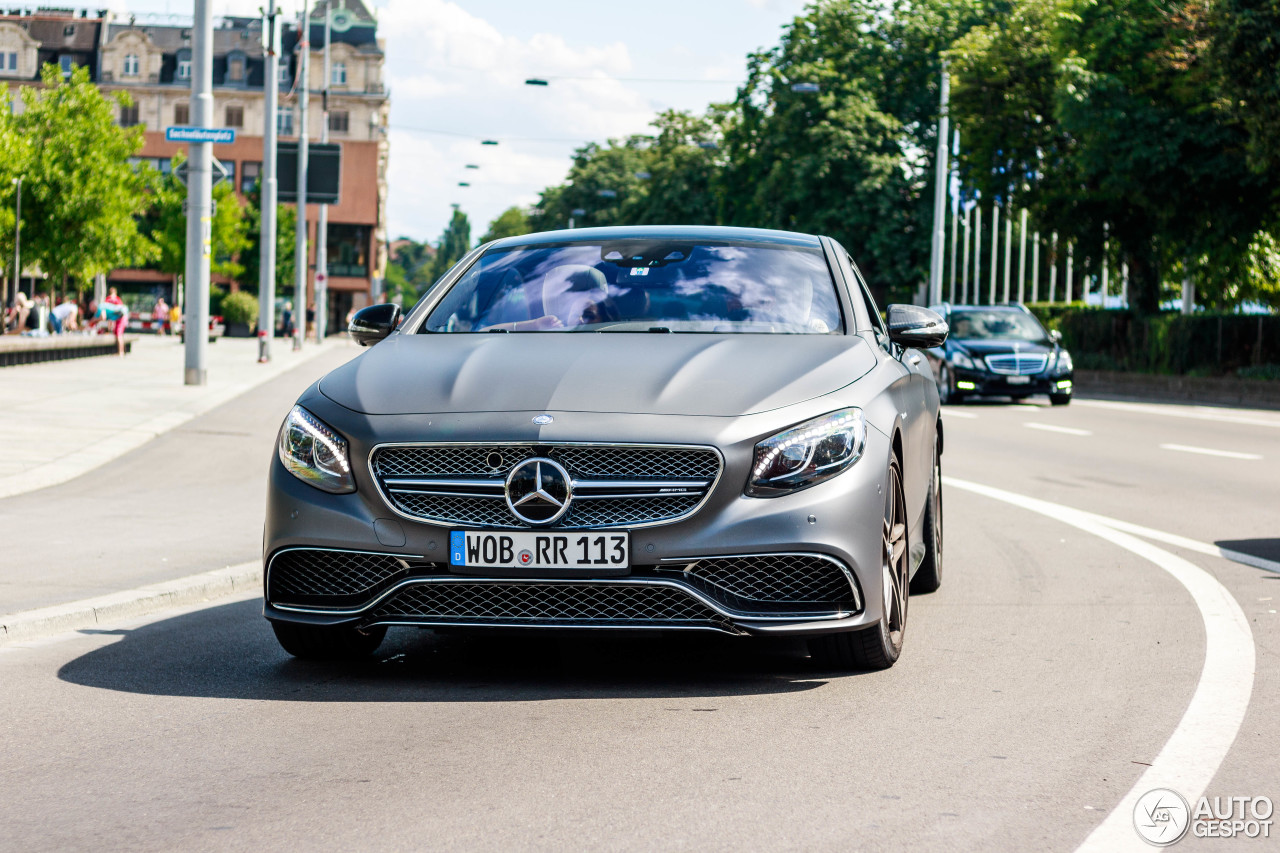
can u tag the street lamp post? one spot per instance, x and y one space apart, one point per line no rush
17 242
268 190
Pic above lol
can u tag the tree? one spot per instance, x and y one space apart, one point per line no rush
1246 50
15 152
512 222
603 183
81 197
166 226
454 243
251 257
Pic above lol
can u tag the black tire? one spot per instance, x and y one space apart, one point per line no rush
879 646
947 394
324 642
929 576
1059 399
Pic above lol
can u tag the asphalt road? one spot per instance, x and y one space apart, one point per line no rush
1035 688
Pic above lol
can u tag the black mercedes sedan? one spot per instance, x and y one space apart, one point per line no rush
1000 351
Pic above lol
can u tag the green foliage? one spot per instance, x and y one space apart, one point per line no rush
1246 50
165 223
81 197
512 222
454 243
251 257
15 153
240 307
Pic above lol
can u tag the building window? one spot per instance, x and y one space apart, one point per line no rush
284 72
12 61
284 121
184 69
348 250
129 116
339 121
249 173
66 63
338 74
235 116
230 166
235 70
131 65
182 114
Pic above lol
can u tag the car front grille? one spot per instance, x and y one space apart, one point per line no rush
324 578
786 580
568 604
1017 364
614 485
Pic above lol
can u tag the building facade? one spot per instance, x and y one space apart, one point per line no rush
152 61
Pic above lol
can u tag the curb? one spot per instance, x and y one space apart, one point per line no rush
143 601
1206 390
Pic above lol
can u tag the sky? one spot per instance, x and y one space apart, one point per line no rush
456 73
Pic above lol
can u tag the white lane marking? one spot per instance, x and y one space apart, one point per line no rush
1061 429
1199 413
1203 737
1209 451
1189 544
952 413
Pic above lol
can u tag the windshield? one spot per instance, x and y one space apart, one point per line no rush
643 286
996 325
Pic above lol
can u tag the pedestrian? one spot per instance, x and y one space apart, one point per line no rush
175 319
113 311
286 320
311 320
18 314
64 316
160 316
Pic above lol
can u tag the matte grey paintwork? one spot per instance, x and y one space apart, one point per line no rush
727 391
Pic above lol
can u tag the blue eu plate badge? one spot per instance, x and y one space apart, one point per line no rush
457 548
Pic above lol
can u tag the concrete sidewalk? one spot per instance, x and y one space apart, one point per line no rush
61 419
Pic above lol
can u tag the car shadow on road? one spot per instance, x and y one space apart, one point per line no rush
229 652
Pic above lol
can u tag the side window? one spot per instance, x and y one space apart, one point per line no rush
877 323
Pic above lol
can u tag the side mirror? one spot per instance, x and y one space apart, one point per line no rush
1055 336
374 323
916 327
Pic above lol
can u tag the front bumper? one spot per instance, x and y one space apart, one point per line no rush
981 383
837 522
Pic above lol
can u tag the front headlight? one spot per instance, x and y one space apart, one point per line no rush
314 453
1064 362
807 454
959 359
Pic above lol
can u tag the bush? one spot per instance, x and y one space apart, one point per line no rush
240 307
1200 344
216 295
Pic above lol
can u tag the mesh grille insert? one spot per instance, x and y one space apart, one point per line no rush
775 578
310 573
548 604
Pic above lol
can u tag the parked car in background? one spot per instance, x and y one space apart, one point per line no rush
1000 351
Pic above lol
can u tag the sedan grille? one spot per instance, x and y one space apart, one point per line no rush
1018 364
330 578
614 485
610 605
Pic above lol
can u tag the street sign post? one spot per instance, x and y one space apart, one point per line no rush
216 135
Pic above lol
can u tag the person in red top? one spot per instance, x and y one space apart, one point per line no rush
114 311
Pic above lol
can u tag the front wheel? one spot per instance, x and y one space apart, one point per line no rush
1059 399
879 646
326 642
947 394
929 576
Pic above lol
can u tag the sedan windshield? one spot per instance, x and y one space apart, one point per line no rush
640 285
996 326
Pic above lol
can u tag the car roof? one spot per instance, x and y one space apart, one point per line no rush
662 232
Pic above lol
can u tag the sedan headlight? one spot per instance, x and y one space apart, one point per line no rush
1064 364
959 359
807 454
314 453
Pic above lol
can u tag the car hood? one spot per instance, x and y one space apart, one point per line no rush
986 347
672 374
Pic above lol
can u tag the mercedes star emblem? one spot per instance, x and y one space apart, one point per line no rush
539 491
543 420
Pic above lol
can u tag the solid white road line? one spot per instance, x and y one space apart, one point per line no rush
1208 451
1061 429
1204 735
1189 544
1199 413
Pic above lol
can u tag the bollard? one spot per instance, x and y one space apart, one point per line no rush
263 355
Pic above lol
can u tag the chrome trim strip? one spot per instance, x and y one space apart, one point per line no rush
673 584
266 574
445 482
589 485
676 493
839 564
542 626
437 493
711 488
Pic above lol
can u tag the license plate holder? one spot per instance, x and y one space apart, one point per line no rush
1019 380
578 551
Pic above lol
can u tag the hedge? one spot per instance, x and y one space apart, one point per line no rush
1197 345
240 307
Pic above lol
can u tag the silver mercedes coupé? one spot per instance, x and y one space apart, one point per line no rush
672 428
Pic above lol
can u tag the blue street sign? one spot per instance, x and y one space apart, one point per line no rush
200 134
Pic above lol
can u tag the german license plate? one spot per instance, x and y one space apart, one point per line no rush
1018 380
531 550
